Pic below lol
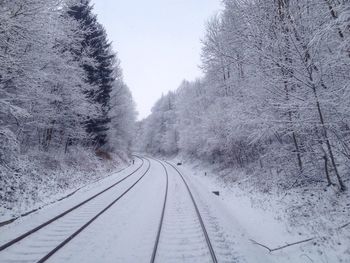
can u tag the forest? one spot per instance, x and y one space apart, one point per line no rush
63 102
274 98
251 159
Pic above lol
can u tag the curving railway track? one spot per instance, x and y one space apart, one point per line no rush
169 230
173 216
64 227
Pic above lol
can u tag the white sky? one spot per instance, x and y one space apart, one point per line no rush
158 42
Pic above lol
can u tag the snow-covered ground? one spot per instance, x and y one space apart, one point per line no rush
27 249
44 180
127 231
275 220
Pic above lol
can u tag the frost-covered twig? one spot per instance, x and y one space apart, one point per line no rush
344 225
289 189
281 247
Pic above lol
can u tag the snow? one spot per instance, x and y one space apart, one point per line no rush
181 228
127 231
23 224
230 230
46 179
263 218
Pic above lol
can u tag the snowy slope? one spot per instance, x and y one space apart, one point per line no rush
262 218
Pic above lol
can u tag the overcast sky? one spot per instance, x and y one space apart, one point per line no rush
158 42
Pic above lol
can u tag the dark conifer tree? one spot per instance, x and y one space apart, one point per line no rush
99 67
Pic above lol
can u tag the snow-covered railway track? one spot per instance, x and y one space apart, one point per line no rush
182 235
41 242
156 243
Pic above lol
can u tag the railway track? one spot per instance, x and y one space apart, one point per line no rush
156 244
7 222
179 220
213 257
65 226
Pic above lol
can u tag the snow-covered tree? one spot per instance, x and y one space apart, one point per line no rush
56 77
99 67
123 117
275 91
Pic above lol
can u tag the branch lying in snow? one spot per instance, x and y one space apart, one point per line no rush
291 244
344 225
281 247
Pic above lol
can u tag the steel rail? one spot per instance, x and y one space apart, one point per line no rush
7 222
207 239
156 243
67 240
35 229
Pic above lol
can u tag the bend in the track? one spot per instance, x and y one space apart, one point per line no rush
205 232
67 240
50 221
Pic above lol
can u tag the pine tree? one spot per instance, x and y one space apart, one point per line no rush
99 68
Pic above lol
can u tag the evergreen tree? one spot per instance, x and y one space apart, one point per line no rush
99 68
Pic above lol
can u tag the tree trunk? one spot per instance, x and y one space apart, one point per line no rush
326 137
300 162
334 16
283 13
326 170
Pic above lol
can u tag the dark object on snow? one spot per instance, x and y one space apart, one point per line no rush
179 163
133 161
281 247
103 155
216 193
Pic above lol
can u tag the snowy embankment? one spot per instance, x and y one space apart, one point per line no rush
39 181
314 215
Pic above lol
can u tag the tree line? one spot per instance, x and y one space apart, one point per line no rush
275 94
61 84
